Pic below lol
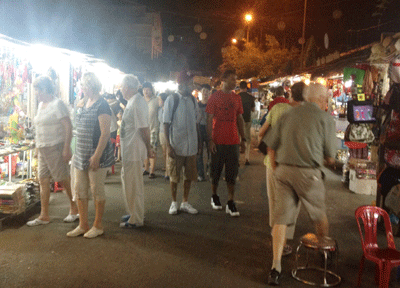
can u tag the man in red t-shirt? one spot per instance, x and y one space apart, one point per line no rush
224 124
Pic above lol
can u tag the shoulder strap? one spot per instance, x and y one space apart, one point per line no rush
176 103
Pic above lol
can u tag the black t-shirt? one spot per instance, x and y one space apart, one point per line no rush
104 108
248 105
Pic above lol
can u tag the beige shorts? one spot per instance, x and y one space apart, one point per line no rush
163 141
51 163
295 184
85 179
247 132
154 140
189 165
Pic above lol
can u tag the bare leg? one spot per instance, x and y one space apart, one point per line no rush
278 241
231 191
146 165
99 205
153 164
322 227
164 151
44 198
83 214
73 210
186 190
174 188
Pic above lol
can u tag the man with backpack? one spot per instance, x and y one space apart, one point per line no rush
181 132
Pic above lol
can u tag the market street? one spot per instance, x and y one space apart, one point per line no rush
210 249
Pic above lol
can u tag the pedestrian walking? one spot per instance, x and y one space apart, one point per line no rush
135 144
248 107
181 133
53 143
276 112
94 154
154 126
205 92
225 128
302 139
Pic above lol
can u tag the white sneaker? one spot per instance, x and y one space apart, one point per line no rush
186 207
174 208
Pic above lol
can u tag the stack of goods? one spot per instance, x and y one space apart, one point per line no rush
362 176
12 198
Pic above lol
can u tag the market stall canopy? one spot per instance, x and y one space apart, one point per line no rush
98 27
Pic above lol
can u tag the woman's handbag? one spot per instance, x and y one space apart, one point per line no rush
262 147
361 132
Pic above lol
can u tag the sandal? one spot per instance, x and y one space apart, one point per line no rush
78 231
37 222
93 233
71 218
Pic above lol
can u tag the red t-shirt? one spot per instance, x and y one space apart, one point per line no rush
225 108
277 100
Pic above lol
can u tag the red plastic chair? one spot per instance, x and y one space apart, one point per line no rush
385 258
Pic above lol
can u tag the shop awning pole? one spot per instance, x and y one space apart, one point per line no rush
303 35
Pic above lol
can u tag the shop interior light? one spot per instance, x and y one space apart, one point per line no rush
307 82
348 83
164 86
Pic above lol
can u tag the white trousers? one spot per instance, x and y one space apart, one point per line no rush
272 195
133 189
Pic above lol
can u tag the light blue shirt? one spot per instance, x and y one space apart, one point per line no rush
183 130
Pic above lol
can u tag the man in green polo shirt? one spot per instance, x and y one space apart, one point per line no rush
302 139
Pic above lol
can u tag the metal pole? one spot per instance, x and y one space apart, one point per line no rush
248 28
304 34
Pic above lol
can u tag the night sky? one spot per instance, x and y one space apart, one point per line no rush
71 24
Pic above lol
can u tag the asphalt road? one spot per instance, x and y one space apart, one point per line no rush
210 249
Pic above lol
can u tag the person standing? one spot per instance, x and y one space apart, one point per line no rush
205 92
93 156
163 142
224 125
181 133
154 125
135 146
53 143
302 139
248 107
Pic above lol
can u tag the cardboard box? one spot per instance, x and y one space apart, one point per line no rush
12 198
362 186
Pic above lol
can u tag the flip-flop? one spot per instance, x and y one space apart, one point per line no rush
37 222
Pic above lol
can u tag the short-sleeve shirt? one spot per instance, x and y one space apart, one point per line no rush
48 126
276 112
88 134
135 117
225 107
280 99
183 130
154 124
303 137
248 105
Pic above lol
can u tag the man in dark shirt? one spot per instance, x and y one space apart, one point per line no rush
248 107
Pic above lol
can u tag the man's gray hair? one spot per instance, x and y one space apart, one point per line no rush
314 92
131 81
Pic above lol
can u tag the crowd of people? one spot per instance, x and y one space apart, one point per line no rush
299 134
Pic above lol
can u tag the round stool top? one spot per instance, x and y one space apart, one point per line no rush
312 241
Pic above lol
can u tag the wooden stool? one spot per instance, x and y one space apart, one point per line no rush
311 242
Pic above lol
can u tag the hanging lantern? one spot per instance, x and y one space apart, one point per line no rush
198 28
203 35
171 38
302 41
281 25
337 14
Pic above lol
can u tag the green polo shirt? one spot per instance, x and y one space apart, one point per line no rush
303 137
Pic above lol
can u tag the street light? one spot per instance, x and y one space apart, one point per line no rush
248 17
234 40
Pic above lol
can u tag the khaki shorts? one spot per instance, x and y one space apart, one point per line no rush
85 179
175 165
247 132
294 184
51 163
163 141
154 140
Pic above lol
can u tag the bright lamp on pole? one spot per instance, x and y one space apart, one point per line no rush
248 17
234 40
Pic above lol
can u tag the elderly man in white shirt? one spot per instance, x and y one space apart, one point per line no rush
135 145
181 115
